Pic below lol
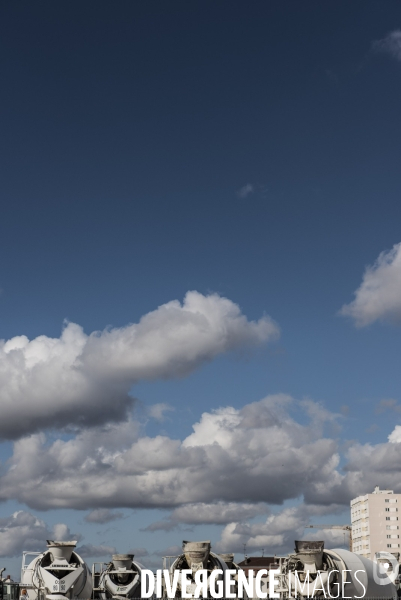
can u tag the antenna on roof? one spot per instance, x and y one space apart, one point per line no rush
244 550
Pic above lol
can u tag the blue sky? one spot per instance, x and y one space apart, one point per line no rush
245 151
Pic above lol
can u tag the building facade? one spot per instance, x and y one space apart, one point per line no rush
375 523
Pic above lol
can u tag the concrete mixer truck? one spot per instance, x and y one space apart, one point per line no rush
119 579
195 556
56 574
315 572
232 566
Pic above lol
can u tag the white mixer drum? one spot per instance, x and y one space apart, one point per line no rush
121 578
57 574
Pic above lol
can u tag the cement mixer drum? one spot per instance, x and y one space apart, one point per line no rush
195 556
57 574
121 578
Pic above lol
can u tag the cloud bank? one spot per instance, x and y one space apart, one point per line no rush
367 465
379 295
254 455
233 465
84 380
278 532
23 531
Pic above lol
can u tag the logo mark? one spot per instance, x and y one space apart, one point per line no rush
385 568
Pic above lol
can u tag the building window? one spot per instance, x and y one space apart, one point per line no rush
387 500
387 510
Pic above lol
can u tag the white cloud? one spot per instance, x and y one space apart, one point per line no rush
157 411
246 190
85 380
103 515
278 532
391 44
232 465
256 454
379 295
23 531
395 435
368 465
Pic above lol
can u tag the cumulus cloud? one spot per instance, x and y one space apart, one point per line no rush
366 465
391 44
84 380
278 532
234 463
379 295
103 515
24 531
254 455
246 190
369 465
395 436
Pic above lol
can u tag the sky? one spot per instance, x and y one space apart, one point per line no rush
200 279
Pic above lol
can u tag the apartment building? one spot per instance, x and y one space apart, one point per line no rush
375 523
